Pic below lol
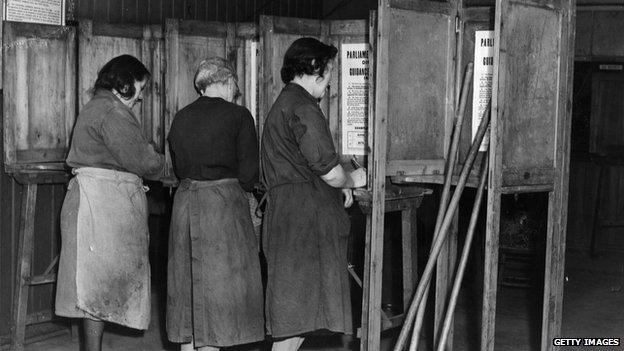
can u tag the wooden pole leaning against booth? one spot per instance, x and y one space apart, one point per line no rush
439 240
451 159
449 171
446 328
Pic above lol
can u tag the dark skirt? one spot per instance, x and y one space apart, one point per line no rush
214 288
305 243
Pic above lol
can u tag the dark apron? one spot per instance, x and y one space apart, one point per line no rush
214 287
305 243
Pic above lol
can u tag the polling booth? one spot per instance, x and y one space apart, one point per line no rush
402 82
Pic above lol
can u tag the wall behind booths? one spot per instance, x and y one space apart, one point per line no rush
156 11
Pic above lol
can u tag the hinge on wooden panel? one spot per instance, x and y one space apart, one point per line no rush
456 24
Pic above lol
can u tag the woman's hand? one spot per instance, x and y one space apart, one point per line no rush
348 194
359 177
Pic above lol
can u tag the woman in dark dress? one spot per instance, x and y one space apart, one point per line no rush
306 226
214 290
104 273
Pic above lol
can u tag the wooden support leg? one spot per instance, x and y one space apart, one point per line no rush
554 270
445 270
409 250
371 297
488 317
24 259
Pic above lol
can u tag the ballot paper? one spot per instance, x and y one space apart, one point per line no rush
35 11
354 75
482 83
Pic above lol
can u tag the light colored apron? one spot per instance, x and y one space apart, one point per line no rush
113 272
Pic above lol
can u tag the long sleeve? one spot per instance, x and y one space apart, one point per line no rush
247 152
122 135
315 142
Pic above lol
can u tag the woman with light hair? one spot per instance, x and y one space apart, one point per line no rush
214 286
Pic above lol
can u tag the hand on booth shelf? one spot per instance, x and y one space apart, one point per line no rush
359 177
348 197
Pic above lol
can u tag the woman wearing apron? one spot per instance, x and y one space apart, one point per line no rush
214 288
104 273
306 226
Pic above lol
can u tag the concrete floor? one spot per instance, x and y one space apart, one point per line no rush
593 307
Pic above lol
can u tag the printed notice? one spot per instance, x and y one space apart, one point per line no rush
35 11
482 83
354 109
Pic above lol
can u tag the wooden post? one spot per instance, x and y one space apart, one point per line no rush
371 323
24 254
558 198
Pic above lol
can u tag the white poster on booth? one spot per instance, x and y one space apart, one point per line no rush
35 11
482 83
354 97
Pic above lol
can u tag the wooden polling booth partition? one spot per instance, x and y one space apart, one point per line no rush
39 109
98 43
187 43
530 127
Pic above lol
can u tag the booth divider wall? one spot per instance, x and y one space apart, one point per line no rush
100 42
187 43
39 93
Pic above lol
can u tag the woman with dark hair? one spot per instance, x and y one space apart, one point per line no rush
306 226
214 289
104 273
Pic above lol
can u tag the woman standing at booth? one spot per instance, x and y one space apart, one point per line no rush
306 226
104 273
214 287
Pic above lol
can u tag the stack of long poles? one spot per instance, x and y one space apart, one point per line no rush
446 213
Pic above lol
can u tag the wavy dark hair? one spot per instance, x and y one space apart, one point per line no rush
120 74
306 56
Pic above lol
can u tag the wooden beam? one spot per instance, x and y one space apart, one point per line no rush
371 328
558 199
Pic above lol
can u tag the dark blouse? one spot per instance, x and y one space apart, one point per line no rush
296 141
108 135
213 139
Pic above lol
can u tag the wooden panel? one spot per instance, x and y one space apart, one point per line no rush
99 43
529 98
584 24
342 32
583 190
276 35
39 91
607 38
607 113
187 44
420 75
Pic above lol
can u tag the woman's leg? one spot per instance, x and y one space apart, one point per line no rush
291 344
93 331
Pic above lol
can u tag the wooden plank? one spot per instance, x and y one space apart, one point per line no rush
40 60
530 39
100 42
419 124
24 260
493 210
552 309
371 309
445 269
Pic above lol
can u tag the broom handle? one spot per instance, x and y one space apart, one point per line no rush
464 258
